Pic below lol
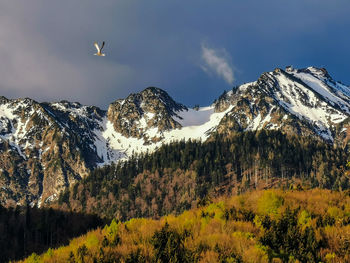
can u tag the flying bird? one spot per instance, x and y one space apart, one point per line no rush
99 49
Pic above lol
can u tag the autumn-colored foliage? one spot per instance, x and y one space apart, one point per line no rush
258 226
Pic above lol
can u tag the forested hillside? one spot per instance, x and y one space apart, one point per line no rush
258 226
173 178
177 177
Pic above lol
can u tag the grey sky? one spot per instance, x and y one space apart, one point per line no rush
46 47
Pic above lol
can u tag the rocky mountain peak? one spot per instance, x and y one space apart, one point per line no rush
303 101
318 72
151 98
155 92
139 112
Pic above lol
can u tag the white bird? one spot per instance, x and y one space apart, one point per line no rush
99 49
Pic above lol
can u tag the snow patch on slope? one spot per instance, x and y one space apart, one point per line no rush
317 111
193 117
112 146
18 127
196 129
319 86
5 111
104 139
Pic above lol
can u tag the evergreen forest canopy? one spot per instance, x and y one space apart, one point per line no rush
173 178
24 230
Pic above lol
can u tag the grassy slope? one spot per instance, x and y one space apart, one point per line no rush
258 226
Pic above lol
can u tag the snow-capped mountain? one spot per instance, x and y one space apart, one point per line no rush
306 101
45 147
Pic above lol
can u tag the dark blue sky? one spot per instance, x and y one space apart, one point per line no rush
192 49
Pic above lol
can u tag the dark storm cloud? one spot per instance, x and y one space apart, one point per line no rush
46 46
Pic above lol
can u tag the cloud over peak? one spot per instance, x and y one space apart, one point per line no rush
217 61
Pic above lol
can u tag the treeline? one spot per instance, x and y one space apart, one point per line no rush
175 176
24 230
259 226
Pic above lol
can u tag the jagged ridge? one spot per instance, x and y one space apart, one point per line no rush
45 147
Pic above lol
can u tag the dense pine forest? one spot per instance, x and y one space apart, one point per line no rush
175 176
24 230
258 226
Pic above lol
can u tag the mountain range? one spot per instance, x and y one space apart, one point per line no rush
46 147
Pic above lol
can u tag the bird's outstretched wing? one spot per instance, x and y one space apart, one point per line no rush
103 44
97 47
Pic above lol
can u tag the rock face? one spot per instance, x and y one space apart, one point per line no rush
151 108
45 147
306 102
